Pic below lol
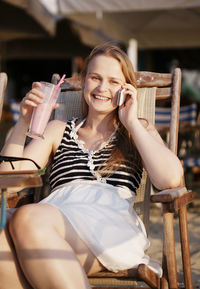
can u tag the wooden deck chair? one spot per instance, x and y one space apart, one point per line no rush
151 87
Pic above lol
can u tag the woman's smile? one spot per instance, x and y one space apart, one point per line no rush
101 97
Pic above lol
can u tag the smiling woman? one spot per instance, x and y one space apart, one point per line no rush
87 223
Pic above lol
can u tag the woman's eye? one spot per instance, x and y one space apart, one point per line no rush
114 82
95 77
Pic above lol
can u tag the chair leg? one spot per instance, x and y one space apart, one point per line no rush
164 284
169 247
164 279
184 236
148 276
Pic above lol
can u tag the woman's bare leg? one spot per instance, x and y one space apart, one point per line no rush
11 275
49 250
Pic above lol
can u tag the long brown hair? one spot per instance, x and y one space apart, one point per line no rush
124 143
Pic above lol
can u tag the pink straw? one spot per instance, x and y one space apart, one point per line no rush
61 80
57 86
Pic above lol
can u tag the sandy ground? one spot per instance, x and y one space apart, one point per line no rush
156 232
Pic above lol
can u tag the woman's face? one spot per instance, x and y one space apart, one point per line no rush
103 81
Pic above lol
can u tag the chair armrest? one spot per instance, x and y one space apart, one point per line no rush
21 179
168 195
176 198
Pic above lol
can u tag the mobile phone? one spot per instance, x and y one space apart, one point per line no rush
121 97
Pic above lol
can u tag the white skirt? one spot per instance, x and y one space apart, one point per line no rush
104 218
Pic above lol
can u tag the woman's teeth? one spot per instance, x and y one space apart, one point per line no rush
101 97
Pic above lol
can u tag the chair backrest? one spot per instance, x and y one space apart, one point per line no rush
3 84
151 87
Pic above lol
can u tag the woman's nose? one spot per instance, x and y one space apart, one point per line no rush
103 85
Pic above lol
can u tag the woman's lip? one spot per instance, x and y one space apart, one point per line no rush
100 97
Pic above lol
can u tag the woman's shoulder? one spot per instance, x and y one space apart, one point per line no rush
57 129
54 133
56 125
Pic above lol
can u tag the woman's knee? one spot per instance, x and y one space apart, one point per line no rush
25 222
33 221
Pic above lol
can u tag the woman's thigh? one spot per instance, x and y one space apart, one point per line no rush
45 217
11 275
88 260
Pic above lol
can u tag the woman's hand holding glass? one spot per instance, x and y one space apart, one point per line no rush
31 100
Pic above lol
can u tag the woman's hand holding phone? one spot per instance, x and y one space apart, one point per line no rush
127 112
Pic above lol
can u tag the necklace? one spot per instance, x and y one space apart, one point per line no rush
90 153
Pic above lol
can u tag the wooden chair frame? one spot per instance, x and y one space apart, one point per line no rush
173 200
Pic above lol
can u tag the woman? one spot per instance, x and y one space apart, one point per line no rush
87 223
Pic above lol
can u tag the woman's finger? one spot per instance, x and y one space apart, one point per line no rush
56 106
35 96
36 84
130 89
28 102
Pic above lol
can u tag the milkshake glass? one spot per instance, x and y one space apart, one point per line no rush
41 113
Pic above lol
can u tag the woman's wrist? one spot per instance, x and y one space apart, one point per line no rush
23 124
133 125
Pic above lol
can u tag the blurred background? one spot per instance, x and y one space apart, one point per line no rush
42 37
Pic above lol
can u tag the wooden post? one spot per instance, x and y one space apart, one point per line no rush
169 247
184 236
132 52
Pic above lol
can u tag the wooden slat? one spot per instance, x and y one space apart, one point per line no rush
21 179
174 125
142 274
15 172
153 79
163 93
143 79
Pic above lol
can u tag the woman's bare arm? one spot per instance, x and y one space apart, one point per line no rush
163 166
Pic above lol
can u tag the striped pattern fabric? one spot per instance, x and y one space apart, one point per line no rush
15 110
191 162
187 114
71 163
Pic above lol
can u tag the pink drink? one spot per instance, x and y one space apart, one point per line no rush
40 118
42 112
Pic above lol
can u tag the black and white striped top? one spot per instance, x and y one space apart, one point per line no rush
73 162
